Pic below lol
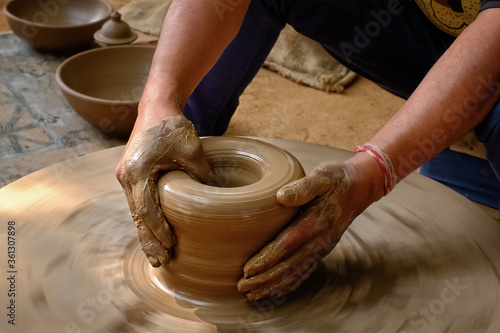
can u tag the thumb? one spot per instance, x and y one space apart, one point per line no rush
193 160
304 190
201 171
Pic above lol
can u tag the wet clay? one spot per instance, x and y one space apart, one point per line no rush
290 258
218 228
422 259
173 144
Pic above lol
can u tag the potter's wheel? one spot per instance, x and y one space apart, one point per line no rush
422 259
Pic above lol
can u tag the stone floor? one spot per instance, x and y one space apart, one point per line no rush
38 128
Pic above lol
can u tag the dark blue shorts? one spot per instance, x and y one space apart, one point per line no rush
390 42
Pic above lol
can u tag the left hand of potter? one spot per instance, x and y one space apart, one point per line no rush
331 194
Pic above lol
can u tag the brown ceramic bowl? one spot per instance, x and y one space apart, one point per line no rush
104 85
57 24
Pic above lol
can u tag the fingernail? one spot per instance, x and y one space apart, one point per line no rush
251 268
255 266
241 285
165 257
251 297
170 241
168 257
290 195
285 193
153 261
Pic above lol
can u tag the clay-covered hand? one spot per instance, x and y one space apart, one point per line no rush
171 144
329 195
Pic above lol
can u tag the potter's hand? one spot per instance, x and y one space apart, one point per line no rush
329 193
171 144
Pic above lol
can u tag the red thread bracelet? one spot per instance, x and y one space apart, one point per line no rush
383 162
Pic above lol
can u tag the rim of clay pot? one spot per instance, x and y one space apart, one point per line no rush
63 86
268 165
9 14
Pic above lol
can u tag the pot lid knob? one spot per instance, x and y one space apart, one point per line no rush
115 31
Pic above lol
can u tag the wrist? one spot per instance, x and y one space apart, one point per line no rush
153 109
367 178
384 163
163 89
156 105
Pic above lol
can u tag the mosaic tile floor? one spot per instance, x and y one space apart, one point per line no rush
37 126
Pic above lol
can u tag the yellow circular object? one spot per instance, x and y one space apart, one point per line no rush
452 20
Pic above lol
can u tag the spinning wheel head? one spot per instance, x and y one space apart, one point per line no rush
422 259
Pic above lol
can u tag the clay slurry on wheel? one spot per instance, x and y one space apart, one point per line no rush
422 259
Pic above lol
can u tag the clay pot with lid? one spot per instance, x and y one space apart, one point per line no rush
219 228
115 32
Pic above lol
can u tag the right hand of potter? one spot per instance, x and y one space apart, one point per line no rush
171 143
331 196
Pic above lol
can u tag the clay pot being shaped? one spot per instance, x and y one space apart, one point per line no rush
218 228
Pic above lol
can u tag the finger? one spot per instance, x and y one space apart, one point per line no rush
154 250
147 248
286 275
291 283
148 211
141 192
200 170
289 240
185 145
156 253
303 190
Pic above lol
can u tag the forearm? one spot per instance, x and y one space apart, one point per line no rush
194 35
455 96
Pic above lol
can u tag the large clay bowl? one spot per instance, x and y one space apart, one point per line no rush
57 25
104 85
218 228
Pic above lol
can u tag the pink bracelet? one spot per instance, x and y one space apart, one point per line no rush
383 161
